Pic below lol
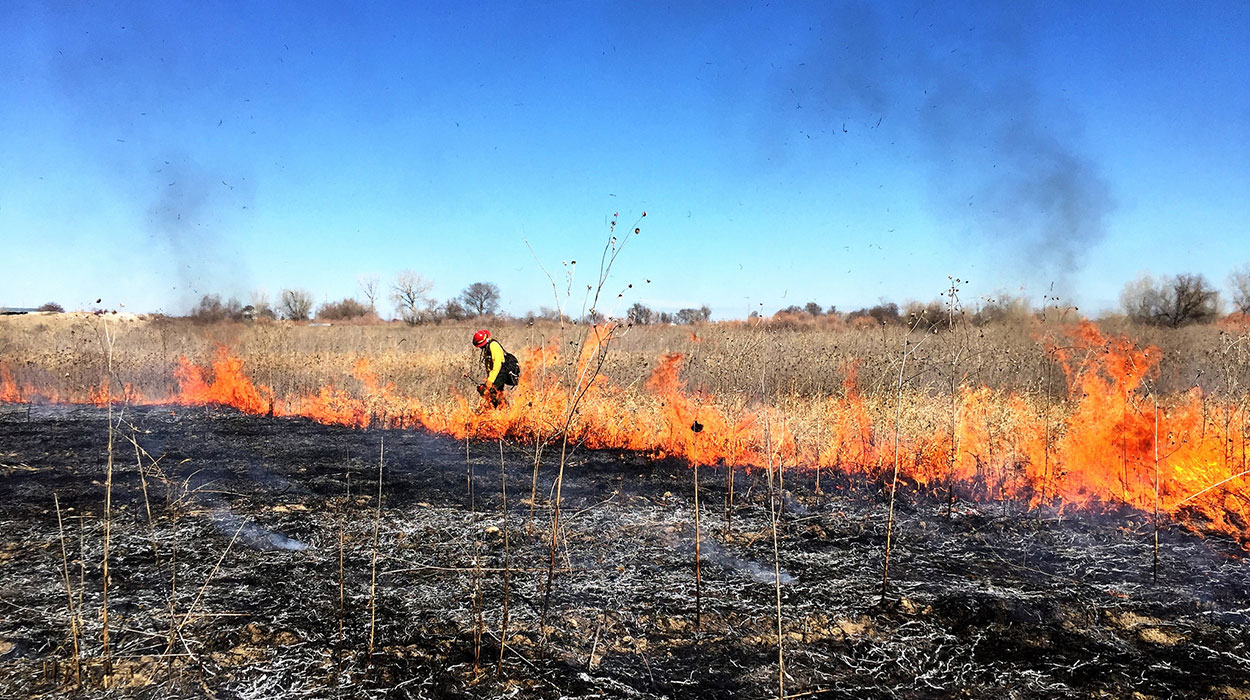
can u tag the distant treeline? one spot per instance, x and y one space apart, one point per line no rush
1167 301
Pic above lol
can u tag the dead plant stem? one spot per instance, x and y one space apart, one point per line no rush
69 592
585 379
373 574
186 617
468 472
342 599
147 505
538 451
908 349
173 592
507 561
698 574
729 497
772 514
108 507
1155 400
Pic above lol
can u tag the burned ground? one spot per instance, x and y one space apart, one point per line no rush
255 514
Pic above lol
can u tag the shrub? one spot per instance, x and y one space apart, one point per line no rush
343 310
692 316
1002 308
930 314
296 304
640 314
1170 301
1239 281
453 310
885 313
210 309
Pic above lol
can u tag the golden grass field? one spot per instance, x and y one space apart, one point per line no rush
68 353
734 366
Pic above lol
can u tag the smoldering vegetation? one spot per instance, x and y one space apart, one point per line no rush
250 557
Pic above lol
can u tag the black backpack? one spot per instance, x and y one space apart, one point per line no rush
510 373
511 369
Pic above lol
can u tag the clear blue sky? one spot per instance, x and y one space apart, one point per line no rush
784 152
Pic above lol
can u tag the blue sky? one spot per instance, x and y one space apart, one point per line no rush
838 152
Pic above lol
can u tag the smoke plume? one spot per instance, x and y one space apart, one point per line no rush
954 96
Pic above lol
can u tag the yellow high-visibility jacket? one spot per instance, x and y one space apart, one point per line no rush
492 357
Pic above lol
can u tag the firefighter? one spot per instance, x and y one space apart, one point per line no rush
502 368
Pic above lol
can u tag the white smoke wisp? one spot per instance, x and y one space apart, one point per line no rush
714 554
254 535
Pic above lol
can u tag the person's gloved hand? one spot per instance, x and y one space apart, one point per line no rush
481 389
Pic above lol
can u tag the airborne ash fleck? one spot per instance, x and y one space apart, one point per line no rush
960 102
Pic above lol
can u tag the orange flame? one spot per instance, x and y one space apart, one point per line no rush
8 387
1109 441
229 386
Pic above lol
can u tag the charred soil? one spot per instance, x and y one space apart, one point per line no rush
242 565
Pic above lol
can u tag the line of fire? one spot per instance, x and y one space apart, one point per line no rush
1110 447
592 536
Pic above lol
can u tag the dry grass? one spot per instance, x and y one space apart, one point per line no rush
64 355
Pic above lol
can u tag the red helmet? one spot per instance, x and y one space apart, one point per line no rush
481 338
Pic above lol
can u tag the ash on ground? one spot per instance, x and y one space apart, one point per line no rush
242 564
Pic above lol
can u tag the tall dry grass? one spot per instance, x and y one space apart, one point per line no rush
60 356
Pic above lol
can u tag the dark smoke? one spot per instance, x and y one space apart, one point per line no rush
166 132
193 209
999 168
958 99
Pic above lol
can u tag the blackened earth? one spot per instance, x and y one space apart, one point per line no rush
266 530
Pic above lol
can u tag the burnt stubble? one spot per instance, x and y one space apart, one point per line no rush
985 601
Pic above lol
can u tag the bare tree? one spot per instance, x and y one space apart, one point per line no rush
1170 301
296 304
1141 298
692 316
234 309
1002 308
410 295
260 305
545 313
813 308
369 288
480 298
931 313
1239 282
453 310
1194 300
640 314
209 309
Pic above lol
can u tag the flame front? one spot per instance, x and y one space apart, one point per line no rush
1109 441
